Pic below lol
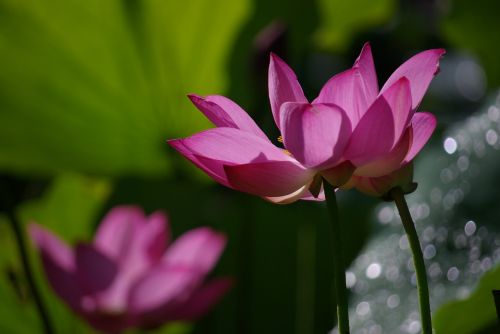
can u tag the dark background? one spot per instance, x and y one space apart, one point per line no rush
91 90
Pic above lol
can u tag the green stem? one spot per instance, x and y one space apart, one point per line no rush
338 266
23 254
418 260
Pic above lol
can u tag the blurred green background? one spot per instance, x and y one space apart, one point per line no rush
90 90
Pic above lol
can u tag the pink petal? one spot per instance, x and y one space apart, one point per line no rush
301 193
380 186
115 233
210 150
309 197
146 247
366 68
283 86
269 179
339 174
212 167
345 90
373 137
203 299
315 134
420 70
59 265
353 90
95 271
387 163
225 113
155 236
423 125
160 287
197 250
398 96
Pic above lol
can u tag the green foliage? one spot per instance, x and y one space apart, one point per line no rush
98 86
341 20
473 26
14 303
473 314
70 206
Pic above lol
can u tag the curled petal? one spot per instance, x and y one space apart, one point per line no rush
210 150
422 125
420 70
301 193
269 179
212 167
223 112
283 86
315 134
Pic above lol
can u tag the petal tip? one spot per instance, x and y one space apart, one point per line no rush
276 60
273 56
367 47
175 143
440 53
126 209
36 233
193 96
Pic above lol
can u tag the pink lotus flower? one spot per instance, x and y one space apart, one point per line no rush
388 133
127 277
349 128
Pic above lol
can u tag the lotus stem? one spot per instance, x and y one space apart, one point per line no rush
338 261
418 260
23 254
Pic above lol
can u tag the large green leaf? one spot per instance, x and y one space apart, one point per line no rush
98 86
341 20
473 26
473 314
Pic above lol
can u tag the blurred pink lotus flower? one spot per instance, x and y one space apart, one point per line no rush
127 277
350 129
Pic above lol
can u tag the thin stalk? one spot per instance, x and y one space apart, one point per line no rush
23 254
418 259
338 265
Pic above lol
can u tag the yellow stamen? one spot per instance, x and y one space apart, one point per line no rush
280 139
